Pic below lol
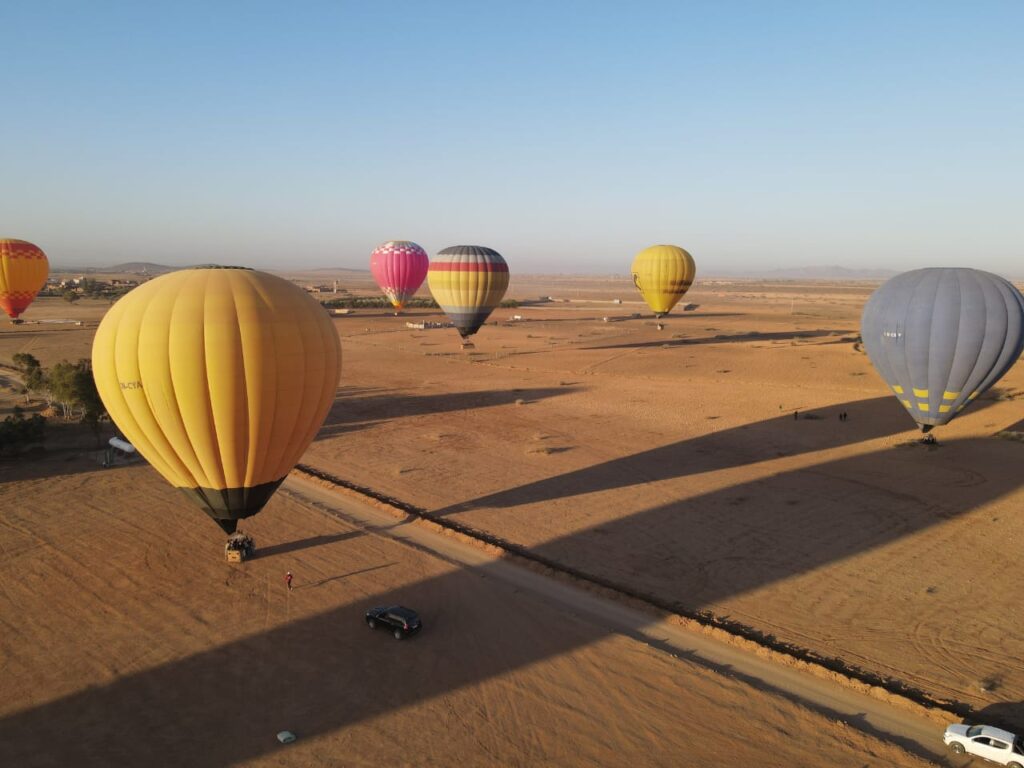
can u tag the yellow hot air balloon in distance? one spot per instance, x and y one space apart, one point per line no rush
23 271
221 378
662 274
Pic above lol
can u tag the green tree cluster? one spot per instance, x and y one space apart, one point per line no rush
18 433
74 389
69 385
376 302
93 289
32 373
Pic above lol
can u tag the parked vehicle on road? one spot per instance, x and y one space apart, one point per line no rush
397 619
994 744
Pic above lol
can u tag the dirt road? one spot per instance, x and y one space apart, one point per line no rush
918 734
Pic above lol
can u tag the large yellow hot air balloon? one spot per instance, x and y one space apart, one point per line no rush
23 271
663 273
221 378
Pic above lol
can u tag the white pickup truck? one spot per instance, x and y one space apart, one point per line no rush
995 744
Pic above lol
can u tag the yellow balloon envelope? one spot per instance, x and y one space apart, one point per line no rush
23 271
663 273
221 378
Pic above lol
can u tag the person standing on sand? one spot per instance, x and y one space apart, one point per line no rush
288 580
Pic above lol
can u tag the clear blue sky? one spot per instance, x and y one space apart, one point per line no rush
567 135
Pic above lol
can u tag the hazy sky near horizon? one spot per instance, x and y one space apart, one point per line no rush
567 135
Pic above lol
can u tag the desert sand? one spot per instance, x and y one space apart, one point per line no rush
668 461
127 641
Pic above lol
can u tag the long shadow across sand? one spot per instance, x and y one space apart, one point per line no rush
316 675
730 338
702 550
747 444
619 318
46 463
1008 714
340 576
313 541
364 407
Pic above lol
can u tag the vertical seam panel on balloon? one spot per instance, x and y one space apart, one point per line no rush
1002 362
145 393
250 380
931 347
278 443
208 294
963 387
184 468
973 383
329 377
926 334
116 319
900 364
306 427
189 434
263 467
242 383
291 455
935 393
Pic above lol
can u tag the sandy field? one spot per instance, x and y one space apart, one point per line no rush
128 641
668 461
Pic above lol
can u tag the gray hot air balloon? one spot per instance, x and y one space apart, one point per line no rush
942 336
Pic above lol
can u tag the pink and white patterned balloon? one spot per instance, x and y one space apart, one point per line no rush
399 267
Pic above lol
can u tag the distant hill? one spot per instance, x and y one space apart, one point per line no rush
809 273
151 269
140 267
129 268
335 269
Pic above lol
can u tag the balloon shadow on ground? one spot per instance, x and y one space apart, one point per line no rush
297 546
1017 426
344 675
367 408
668 321
341 576
1004 714
67 448
43 464
818 429
727 338
702 550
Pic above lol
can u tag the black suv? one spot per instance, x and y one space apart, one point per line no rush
400 621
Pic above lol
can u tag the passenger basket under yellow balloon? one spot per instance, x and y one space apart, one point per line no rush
239 548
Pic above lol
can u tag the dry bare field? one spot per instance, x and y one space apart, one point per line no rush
671 461
128 641
668 461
